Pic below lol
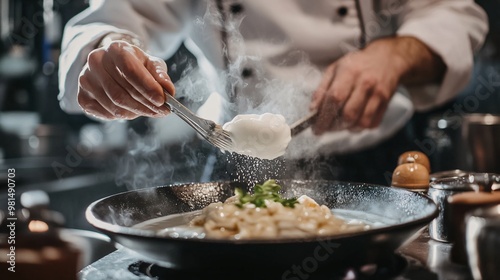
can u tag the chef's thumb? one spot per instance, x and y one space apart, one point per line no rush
158 69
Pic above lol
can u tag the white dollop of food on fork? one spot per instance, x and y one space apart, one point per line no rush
263 136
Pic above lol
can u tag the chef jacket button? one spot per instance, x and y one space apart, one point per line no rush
342 11
246 72
236 8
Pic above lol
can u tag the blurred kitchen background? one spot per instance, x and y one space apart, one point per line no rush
71 157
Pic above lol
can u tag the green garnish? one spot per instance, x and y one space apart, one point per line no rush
262 192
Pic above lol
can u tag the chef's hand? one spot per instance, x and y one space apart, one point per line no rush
356 89
121 81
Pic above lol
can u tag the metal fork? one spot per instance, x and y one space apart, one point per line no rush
209 130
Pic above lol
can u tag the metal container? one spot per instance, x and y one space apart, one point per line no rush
483 242
443 142
447 183
481 136
443 185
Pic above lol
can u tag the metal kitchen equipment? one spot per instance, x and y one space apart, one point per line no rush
208 129
460 205
481 138
442 186
447 183
443 134
401 212
483 242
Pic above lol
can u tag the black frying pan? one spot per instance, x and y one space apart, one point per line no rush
407 213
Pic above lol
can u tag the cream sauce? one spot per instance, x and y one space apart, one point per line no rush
178 225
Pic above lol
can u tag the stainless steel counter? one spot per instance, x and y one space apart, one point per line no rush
434 258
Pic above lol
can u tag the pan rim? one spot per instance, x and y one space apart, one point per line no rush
114 229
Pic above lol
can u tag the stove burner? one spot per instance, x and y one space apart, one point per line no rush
387 269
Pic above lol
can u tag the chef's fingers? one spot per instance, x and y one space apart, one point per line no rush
356 102
158 68
85 96
118 113
375 109
334 100
324 85
91 107
97 91
130 62
379 107
119 101
135 96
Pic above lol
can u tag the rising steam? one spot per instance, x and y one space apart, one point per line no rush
171 154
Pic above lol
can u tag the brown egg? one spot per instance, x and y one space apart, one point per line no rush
419 157
411 175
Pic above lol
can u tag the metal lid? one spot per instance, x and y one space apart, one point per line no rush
448 174
463 181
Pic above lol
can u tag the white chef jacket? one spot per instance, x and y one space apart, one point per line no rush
268 55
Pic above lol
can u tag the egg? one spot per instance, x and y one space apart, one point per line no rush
412 175
417 156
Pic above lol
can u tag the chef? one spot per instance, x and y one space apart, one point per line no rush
365 66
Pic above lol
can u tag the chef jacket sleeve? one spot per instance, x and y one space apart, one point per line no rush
160 26
454 30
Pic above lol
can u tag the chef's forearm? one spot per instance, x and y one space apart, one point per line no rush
415 63
424 66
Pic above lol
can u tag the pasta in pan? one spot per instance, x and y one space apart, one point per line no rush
268 216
